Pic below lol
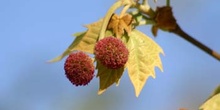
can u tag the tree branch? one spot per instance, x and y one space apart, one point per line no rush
203 47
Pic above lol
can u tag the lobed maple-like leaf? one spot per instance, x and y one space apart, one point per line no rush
107 76
143 58
84 41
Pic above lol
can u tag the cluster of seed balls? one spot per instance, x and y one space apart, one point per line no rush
110 52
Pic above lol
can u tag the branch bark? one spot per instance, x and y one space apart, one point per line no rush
178 31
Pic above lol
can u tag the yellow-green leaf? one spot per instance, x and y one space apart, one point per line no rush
143 58
216 91
107 77
84 41
212 104
87 42
69 49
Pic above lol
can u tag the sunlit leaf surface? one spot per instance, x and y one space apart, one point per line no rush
84 41
143 58
107 77
212 104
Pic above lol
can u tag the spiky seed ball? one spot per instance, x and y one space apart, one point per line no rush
111 52
79 68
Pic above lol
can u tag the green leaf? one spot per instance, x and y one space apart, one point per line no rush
84 41
213 102
216 91
69 49
87 41
143 57
107 77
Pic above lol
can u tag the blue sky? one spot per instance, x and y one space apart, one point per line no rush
34 31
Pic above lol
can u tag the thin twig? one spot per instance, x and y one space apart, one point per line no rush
124 10
187 37
168 2
107 17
